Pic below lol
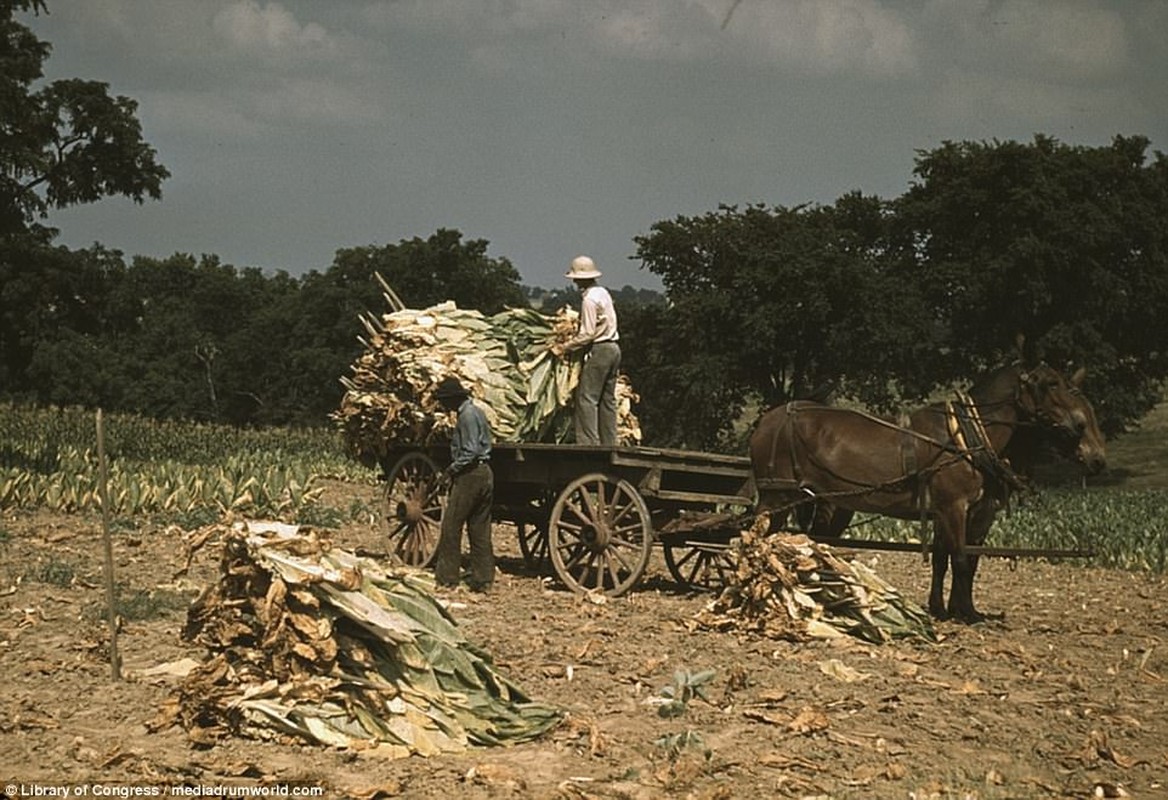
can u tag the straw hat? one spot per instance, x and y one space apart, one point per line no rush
582 269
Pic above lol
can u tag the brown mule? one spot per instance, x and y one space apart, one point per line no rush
933 466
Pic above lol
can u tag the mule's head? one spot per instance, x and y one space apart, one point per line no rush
1057 404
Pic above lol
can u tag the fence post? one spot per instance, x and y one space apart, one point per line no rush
103 493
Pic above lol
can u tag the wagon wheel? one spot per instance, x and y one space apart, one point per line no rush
532 533
700 565
414 506
600 535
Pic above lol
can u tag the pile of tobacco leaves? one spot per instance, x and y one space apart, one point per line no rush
504 360
786 586
310 642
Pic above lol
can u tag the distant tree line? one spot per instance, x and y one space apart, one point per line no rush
194 338
885 300
187 338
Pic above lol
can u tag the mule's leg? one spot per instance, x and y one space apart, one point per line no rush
778 506
949 542
805 516
961 593
830 520
940 561
975 614
981 517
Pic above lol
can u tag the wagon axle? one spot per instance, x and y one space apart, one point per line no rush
410 511
596 537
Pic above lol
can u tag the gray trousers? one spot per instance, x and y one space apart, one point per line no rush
469 504
596 395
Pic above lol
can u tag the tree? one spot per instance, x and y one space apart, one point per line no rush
685 399
768 304
1066 245
427 271
66 143
176 309
893 300
48 296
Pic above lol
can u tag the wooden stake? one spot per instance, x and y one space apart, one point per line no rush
103 493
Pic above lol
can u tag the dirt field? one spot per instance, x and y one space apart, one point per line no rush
1066 696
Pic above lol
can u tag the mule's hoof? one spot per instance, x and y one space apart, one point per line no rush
970 616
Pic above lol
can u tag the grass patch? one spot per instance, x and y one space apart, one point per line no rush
123 525
54 572
1139 459
140 605
189 520
320 516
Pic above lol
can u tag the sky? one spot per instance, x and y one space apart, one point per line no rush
553 128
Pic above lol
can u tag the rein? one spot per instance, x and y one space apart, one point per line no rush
792 409
968 441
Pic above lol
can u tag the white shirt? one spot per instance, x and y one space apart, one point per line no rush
597 319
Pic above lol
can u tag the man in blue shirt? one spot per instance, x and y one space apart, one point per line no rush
472 490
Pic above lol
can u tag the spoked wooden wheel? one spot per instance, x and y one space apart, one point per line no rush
414 506
600 535
533 543
531 528
699 565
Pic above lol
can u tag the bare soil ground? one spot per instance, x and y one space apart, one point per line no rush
1063 697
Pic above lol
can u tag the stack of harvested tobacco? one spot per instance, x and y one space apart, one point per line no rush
504 360
786 586
310 642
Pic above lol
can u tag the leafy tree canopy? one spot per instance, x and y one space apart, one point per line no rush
426 271
65 143
770 304
1065 244
194 338
890 301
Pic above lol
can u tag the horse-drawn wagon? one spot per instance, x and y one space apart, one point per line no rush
591 513
594 514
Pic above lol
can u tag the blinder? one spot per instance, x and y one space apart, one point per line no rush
1034 399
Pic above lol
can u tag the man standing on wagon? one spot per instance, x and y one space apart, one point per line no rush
472 490
597 337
